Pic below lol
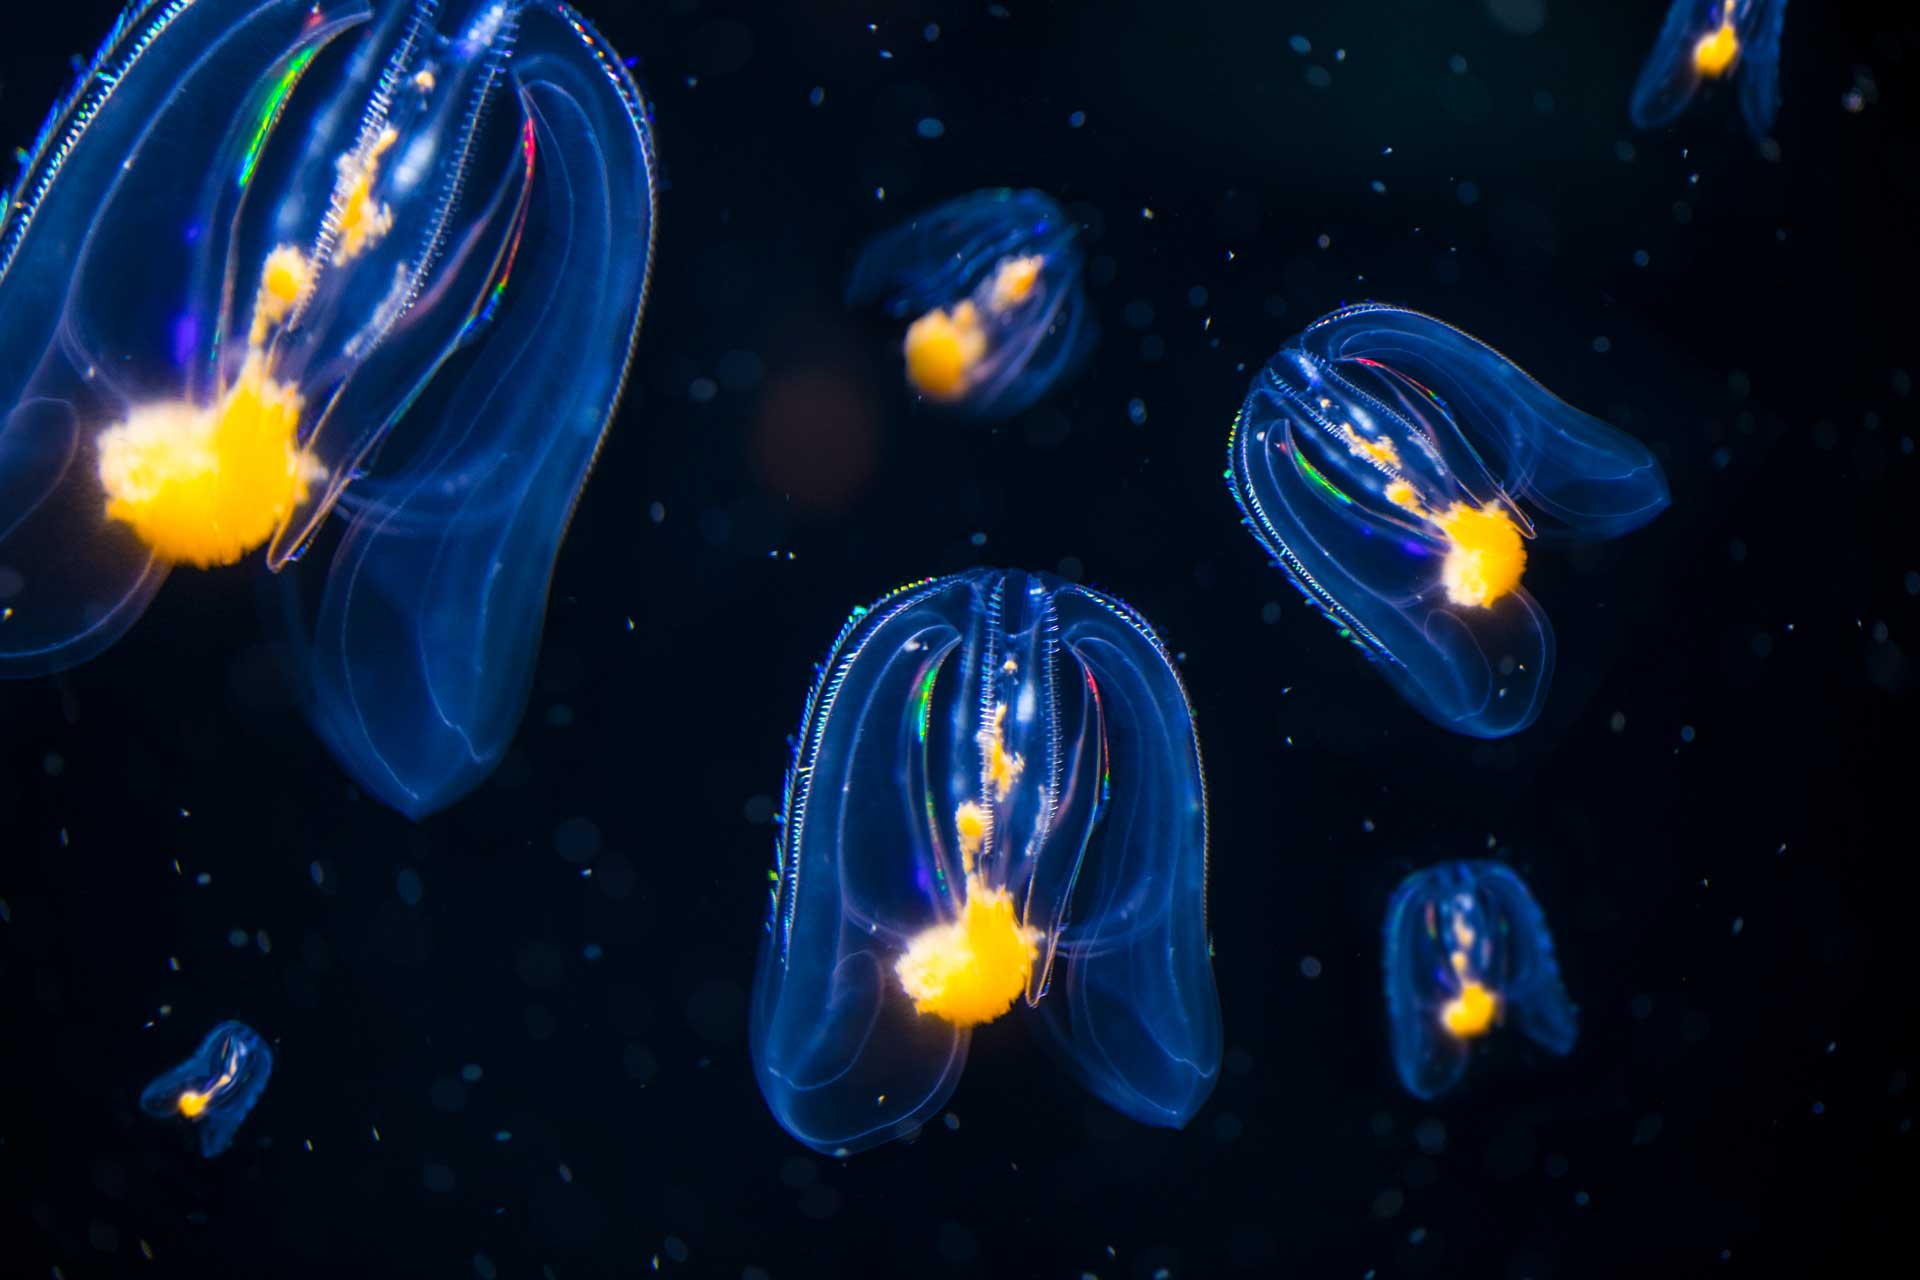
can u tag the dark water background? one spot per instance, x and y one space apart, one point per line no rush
1735 913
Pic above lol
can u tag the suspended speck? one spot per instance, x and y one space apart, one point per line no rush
1624 150
657 513
930 127
886 55
978 539
1310 966
1640 258
879 193
1602 344
818 96
1739 923
472 1073
1300 45
1077 119
592 951
702 390
236 937
1467 192
1379 187
1324 240
1686 733
1339 55
503 1135
1137 412
930 32
316 873
408 885
1319 77
693 82
566 1173
1146 213
1457 64
203 879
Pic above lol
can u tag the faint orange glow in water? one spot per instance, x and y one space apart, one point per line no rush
814 439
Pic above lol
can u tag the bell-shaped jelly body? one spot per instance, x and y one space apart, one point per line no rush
996 800
991 282
1711 40
1467 951
274 257
1395 468
215 1088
